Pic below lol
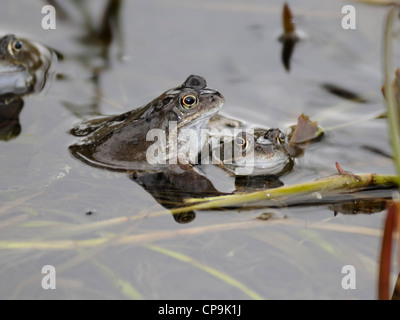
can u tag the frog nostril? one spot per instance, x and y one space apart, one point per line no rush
121 118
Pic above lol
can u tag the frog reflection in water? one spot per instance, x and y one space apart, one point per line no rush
120 142
25 65
10 108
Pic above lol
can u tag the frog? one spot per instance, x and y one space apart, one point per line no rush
119 143
248 154
244 151
122 142
25 66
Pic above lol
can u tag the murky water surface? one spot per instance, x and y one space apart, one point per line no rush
50 198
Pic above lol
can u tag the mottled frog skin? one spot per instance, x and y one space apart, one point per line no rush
263 153
120 142
25 66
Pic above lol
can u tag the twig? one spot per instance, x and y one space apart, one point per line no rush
338 183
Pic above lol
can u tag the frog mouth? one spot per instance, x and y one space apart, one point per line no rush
16 80
263 158
272 166
209 113
260 162
9 69
212 111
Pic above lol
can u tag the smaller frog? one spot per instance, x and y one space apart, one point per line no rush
25 66
261 153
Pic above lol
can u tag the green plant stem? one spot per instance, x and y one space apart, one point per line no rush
392 106
162 235
339 182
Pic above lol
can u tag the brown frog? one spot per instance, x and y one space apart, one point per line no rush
122 142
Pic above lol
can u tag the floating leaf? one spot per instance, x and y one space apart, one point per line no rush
305 131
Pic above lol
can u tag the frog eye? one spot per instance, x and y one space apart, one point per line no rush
281 137
242 142
17 45
189 101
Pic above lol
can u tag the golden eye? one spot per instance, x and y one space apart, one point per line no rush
242 142
14 47
189 101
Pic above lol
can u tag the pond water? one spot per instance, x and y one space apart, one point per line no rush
49 198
